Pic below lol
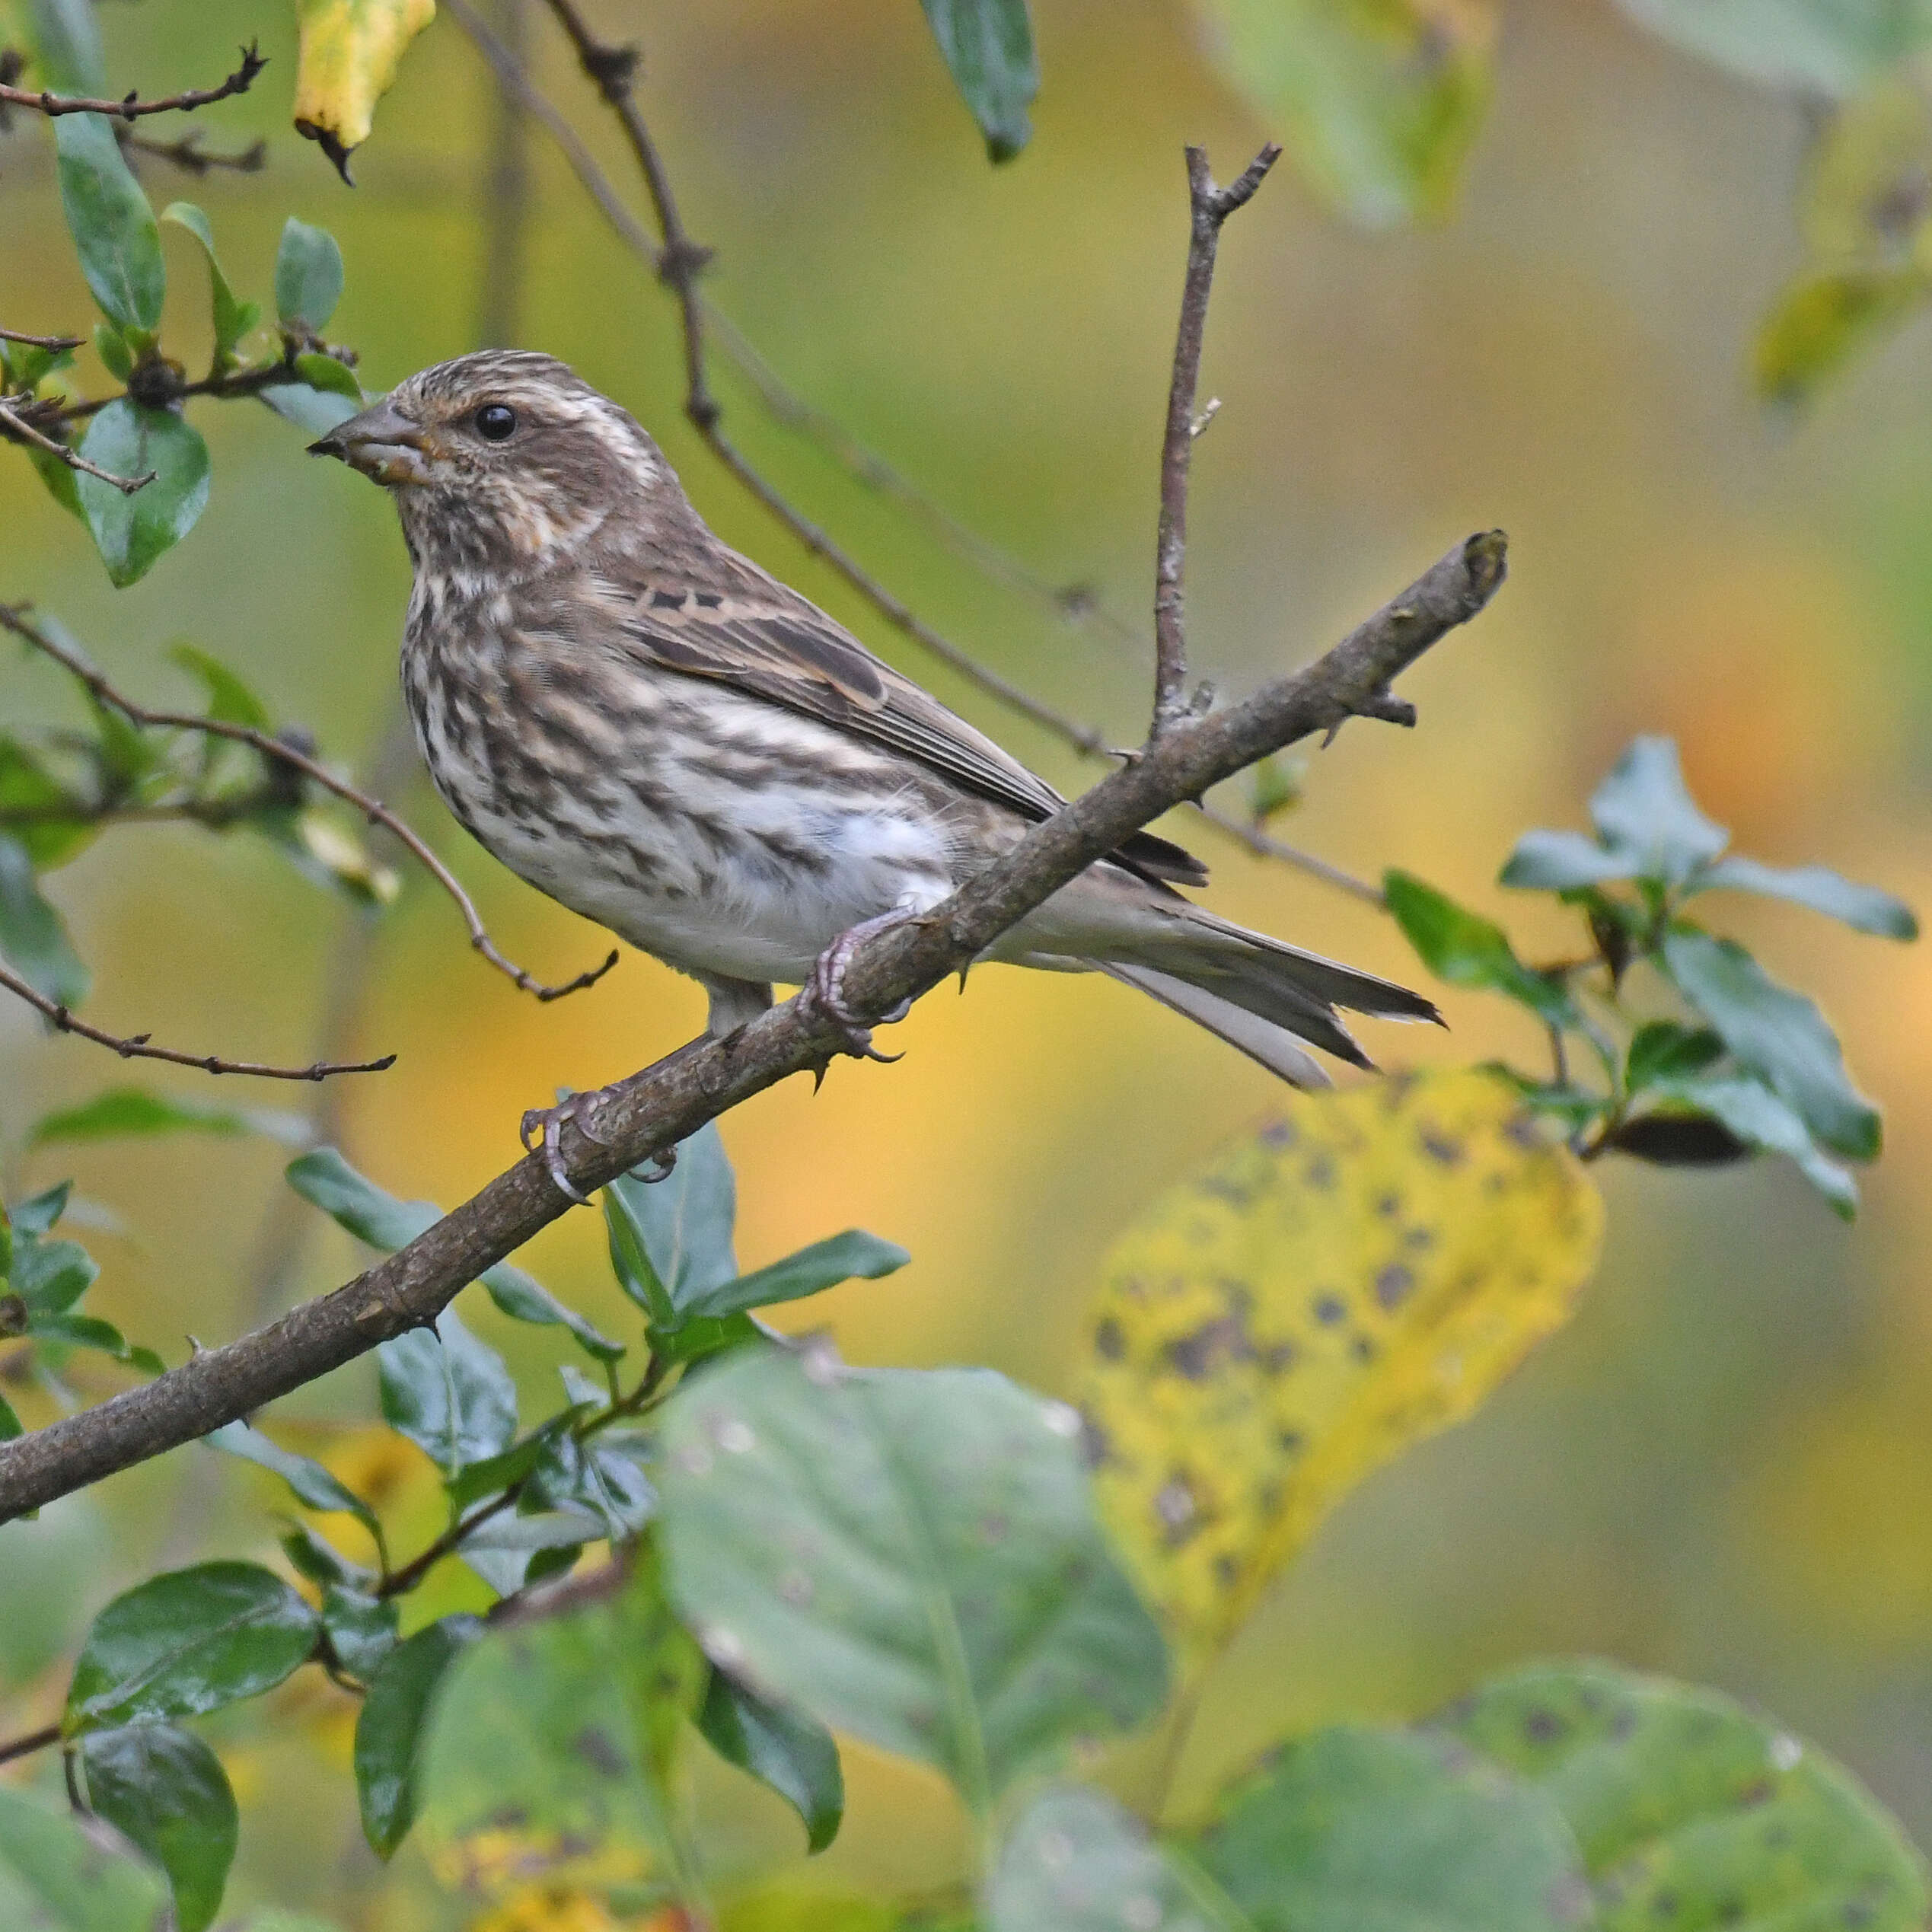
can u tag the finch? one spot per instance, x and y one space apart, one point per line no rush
648 727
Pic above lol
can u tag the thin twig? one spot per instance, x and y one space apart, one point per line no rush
22 1747
399 1582
637 1118
1266 846
13 618
18 429
1210 206
131 106
137 1047
188 154
55 343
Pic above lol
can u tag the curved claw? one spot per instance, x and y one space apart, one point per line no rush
826 990
548 1122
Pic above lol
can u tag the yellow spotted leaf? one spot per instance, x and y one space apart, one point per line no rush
1360 1273
1378 101
560 1908
1822 321
350 50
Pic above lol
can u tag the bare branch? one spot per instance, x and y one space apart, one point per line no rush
638 1118
1209 207
18 429
13 618
55 343
1264 845
131 106
138 1046
23 1747
188 154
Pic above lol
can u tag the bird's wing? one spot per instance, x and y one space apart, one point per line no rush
728 619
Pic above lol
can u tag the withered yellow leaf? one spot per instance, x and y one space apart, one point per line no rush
1359 1274
350 49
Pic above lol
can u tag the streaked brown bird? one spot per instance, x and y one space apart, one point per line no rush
648 727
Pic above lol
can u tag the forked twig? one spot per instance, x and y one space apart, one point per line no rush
18 429
131 106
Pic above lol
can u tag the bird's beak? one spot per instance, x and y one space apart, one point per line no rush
382 442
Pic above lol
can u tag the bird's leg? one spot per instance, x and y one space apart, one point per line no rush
825 990
580 1110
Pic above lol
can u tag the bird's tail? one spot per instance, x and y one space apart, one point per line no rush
1261 995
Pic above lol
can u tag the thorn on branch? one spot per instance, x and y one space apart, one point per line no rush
131 106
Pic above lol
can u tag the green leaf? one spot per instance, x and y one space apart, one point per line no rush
987 46
127 440
1379 101
230 700
1643 812
671 1240
39 1215
140 1111
31 935
594 1476
89 1331
232 319
1074 1861
313 411
564 1731
390 1729
113 226
1693 1813
64 1873
360 1629
323 1178
111 346
318 1560
49 1275
1355 1828
313 1484
448 1393
1466 949
1778 1034
1864 908
1759 1119
329 376
781 1747
854 1255
1823 319
1794 44
911 1557
163 1789
308 276
189 1641
26 785
1661 1050
1563 861
10 1424
64 42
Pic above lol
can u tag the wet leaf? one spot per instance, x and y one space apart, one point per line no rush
360 1629
1354 1827
1466 949
909 1556
72 1874
391 1728
232 319
1833 50
350 49
1692 1812
448 1393
550 1753
163 1789
189 1641
1074 1861
1824 319
1864 908
781 1747
131 533
140 1112
987 46
1379 101
1776 1034
33 938
113 226
1360 1274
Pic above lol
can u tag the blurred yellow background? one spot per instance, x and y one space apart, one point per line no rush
1724 1469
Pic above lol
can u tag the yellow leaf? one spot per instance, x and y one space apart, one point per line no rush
559 1908
1822 321
350 49
1868 179
1379 101
1359 1275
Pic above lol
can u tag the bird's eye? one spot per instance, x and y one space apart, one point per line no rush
496 421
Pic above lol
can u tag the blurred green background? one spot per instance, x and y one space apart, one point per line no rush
1724 1469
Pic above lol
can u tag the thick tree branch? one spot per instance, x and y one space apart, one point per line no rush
13 617
131 106
790 410
641 1117
137 1046
1209 207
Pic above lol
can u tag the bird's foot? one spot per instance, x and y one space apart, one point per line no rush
824 992
580 1110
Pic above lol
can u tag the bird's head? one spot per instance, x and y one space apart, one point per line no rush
502 460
